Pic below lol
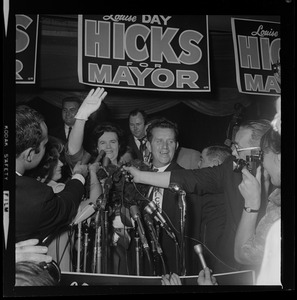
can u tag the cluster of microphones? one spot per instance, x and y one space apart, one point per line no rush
151 210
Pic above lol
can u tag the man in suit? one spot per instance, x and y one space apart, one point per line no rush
162 137
39 212
70 107
137 140
219 179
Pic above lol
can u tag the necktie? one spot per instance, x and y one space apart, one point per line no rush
142 146
157 196
69 130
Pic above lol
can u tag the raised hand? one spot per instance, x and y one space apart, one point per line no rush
91 103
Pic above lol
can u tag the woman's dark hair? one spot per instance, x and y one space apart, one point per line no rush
271 141
28 129
47 165
100 129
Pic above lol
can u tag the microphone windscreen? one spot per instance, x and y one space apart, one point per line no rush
148 219
100 155
105 161
134 211
84 214
174 187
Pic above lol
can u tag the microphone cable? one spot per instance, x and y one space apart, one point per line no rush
217 258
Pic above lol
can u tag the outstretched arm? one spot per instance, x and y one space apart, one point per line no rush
91 103
161 179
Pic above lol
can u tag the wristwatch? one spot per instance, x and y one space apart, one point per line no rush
249 210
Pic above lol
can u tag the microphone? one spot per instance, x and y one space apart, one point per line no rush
174 187
105 161
101 154
135 214
198 251
152 209
88 211
152 232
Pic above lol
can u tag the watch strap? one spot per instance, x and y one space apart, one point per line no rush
249 210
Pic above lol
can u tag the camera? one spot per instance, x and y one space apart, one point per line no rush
252 162
53 270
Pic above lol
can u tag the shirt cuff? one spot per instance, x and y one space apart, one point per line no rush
79 177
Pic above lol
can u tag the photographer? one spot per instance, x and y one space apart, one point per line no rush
219 179
250 238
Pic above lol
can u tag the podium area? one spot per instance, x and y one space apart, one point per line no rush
246 277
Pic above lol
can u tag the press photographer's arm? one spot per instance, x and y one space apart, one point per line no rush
250 189
160 179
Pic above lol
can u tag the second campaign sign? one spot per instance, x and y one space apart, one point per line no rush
144 52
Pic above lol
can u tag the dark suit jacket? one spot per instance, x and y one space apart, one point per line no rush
40 212
217 180
131 143
171 210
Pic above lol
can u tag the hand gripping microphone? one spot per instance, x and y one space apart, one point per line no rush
135 214
198 251
152 209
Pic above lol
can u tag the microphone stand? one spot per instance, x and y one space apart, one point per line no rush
78 247
95 242
105 236
137 253
98 269
86 234
182 206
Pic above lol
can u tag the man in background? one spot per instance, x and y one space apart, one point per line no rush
137 140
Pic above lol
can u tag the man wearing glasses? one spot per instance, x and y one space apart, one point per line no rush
219 179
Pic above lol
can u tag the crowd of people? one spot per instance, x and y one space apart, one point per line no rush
93 198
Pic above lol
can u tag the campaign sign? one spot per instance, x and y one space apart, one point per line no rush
26 48
257 47
144 52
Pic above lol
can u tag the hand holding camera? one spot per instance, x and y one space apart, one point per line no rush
250 188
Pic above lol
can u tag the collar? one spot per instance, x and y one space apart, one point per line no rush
18 173
161 169
137 139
